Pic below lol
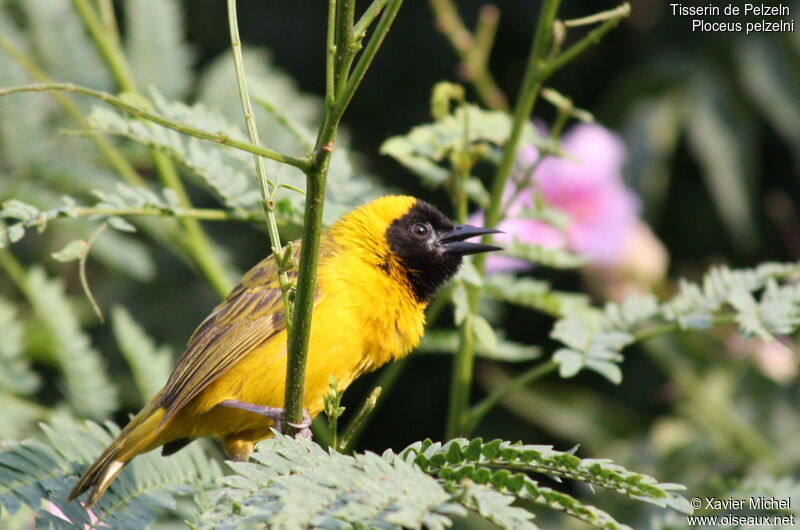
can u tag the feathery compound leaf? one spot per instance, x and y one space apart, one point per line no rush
16 376
496 507
223 170
510 487
32 472
87 386
534 294
151 365
296 484
594 338
459 458
426 149
158 53
447 342
66 54
554 258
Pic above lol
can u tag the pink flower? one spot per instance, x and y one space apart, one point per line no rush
587 186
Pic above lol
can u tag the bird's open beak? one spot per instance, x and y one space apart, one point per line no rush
453 241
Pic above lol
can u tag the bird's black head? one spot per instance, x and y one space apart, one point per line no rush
430 247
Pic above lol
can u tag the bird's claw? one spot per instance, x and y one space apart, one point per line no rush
275 414
303 427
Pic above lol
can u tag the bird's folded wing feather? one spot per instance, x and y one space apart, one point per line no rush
251 315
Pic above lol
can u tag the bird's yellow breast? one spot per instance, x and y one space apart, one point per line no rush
365 315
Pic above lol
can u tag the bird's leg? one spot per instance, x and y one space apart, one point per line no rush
275 414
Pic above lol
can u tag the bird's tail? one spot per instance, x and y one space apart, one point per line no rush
139 436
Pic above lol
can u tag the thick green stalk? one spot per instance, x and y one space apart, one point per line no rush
522 111
464 360
538 69
461 380
316 177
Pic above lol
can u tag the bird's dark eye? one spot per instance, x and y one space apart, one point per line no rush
420 230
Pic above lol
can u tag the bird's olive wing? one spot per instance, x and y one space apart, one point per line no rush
251 315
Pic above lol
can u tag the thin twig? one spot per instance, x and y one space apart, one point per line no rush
483 407
473 51
139 112
82 270
266 187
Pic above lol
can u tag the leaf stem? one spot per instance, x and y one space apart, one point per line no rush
140 112
480 409
473 51
266 187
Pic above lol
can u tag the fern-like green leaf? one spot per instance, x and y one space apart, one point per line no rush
86 383
159 55
32 472
221 169
66 54
594 339
460 456
296 484
535 294
441 341
426 149
496 507
16 375
150 364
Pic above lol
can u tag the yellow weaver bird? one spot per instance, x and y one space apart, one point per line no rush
379 267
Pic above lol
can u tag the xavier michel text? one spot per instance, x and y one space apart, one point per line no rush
767 24
751 503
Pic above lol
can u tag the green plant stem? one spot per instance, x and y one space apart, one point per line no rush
464 360
106 8
529 91
538 69
15 271
483 407
369 15
265 186
370 50
473 51
140 112
316 177
202 214
461 379
364 412
195 239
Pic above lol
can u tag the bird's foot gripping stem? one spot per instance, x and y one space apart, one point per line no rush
275 414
